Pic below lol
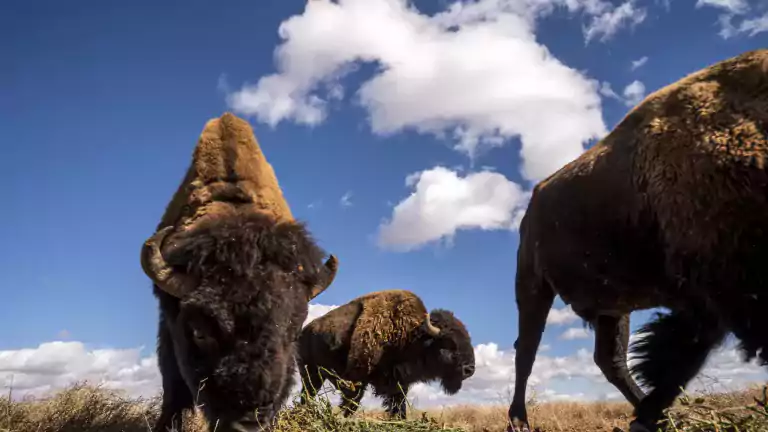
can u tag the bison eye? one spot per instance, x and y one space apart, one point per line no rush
201 339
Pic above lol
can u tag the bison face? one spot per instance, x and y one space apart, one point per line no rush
234 295
451 347
234 344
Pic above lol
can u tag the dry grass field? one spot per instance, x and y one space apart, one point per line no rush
84 408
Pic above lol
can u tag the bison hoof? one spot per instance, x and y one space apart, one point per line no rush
518 426
636 426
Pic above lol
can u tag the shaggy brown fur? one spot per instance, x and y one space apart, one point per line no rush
233 273
387 318
383 339
228 168
667 210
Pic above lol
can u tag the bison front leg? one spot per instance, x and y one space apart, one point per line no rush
534 299
611 342
312 380
176 395
395 403
351 398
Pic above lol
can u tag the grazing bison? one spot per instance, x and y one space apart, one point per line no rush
386 339
668 210
233 273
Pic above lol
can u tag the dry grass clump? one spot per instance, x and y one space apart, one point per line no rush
78 408
744 411
550 416
86 408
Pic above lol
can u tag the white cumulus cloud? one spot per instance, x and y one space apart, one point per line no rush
607 91
636 64
443 202
316 311
473 73
732 6
561 316
609 22
574 333
634 93
54 365
346 200
753 26
737 17
749 26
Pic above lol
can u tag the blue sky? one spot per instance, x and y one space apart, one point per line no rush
101 104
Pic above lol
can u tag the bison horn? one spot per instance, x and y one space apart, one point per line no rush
329 274
155 266
432 330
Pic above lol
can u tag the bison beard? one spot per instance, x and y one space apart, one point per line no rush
385 339
228 342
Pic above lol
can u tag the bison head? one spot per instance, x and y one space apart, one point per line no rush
449 349
234 293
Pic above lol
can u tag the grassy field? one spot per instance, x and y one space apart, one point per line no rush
83 408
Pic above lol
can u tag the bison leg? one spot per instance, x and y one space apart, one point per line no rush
611 342
672 352
534 299
312 380
395 403
351 398
176 395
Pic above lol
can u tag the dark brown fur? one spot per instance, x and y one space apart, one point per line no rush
380 339
247 312
233 274
668 210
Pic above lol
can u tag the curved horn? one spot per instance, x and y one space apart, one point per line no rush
158 270
432 330
330 269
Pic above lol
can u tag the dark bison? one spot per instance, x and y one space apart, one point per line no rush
386 339
233 273
668 210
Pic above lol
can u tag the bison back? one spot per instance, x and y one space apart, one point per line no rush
326 340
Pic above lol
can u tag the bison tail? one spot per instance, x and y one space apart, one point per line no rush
672 343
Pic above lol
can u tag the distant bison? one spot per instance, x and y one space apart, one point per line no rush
233 273
669 210
384 339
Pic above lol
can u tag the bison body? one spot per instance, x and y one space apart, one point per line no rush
669 210
389 341
233 273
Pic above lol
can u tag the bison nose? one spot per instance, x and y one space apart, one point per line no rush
468 370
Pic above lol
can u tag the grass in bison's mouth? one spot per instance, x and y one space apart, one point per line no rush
85 408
